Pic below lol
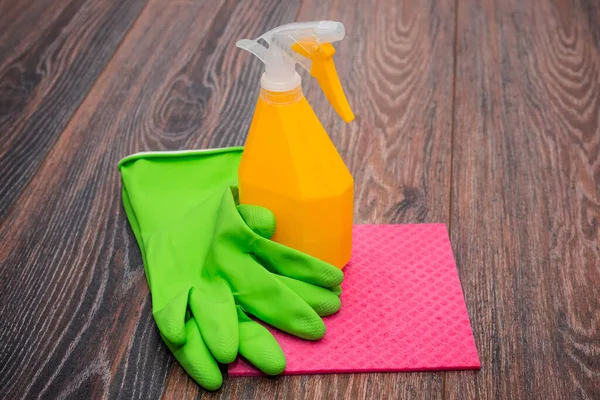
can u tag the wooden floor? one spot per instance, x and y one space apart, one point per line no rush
484 115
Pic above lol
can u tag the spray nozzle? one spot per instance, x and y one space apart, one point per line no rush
307 44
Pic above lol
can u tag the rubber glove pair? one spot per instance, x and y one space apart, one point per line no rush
209 263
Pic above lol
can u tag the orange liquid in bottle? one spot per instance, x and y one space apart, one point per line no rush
291 167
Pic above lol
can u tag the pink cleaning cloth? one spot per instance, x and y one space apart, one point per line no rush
402 310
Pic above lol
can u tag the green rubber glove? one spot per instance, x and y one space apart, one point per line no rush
203 253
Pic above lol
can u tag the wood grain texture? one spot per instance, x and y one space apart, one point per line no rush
526 196
51 53
339 386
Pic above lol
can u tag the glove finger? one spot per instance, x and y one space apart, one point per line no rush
292 263
261 220
196 360
337 290
265 297
213 308
170 319
323 301
258 346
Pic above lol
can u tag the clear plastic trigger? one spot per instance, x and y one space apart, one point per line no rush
253 47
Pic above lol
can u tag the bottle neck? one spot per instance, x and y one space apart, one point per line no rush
282 98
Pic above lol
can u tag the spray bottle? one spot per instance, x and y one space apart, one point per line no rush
290 164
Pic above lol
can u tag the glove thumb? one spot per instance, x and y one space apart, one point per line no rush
261 220
170 319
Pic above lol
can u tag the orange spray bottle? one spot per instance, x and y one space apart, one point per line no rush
290 164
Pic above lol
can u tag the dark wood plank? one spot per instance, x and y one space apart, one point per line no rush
339 386
526 196
74 304
51 52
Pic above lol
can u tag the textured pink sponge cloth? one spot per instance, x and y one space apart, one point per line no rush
402 310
